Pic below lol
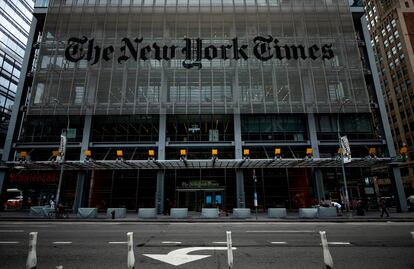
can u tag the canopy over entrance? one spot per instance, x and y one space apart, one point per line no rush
190 164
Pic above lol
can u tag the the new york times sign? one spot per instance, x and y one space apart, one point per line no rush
264 49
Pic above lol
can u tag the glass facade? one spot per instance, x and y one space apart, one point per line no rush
15 18
198 57
216 91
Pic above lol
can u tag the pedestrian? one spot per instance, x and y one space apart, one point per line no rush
337 206
52 204
360 208
167 206
384 208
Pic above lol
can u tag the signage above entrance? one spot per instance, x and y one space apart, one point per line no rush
193 51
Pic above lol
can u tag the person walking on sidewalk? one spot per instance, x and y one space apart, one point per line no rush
384 208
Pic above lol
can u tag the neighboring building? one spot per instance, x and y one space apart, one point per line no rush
201 97
15 18
391 25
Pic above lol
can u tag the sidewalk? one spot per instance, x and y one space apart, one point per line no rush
370 216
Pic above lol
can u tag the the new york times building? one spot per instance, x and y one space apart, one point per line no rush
202 102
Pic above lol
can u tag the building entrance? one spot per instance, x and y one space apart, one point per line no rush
195 199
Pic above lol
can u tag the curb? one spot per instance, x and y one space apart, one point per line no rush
328 220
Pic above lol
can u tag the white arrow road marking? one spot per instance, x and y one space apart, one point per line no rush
171 242
180 256
278 243
114 242
9 242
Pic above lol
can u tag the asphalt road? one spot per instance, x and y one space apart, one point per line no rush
258 245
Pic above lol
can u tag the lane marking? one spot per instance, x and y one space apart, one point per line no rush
11 231
278 243
219 242
170 242
115 242
9 242
339 243
62 242
282 231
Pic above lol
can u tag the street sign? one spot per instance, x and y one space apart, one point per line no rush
346 150
180 256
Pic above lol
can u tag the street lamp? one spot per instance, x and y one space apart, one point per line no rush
343 102
63 141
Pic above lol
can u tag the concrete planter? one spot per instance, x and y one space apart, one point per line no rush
278 213
46 211
327 212
241 213
37 211
209 212
87 212
120 212
147 213
308 213
179 213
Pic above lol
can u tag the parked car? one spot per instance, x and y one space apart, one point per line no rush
410 202
14 203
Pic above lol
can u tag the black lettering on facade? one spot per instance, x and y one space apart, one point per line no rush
237 52
210 52
143 53
224 51
298 51
74 51
327 52
107 52
265 48
312 52
128 46
262 50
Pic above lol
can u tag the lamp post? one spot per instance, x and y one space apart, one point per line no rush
254 190
63 141
343 102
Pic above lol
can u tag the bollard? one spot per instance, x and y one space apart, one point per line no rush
131 258
31 262
113 214
229 250
327 258
412 234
